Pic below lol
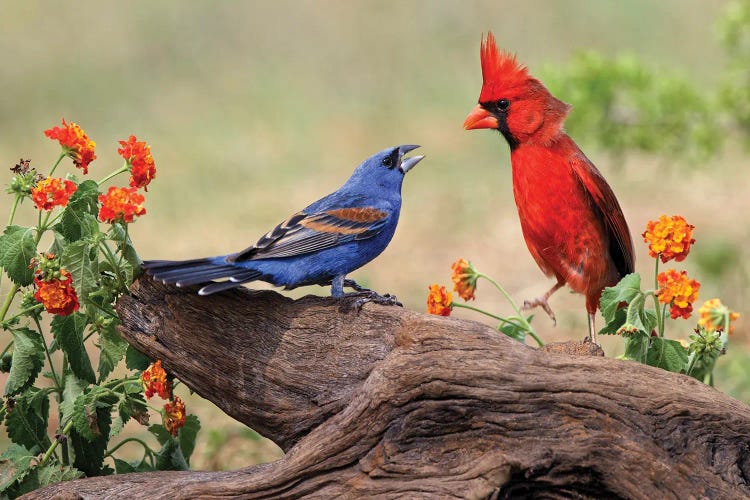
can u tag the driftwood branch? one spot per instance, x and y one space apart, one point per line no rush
387 402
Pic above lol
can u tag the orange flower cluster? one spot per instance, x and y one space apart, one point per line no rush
679 291
439 301
50 193
713 314
669 238
56 293
138 155
121 203
174 415
155 381
464 279
75 142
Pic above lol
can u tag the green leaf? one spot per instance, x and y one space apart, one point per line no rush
92 419
513 331
74 387
667 354
161 433
86 415
130 406
636 346
77 260
17 248
123 467
187 435
134 360
112 350
15 464
170 457
614 326
626 290
51 474
28 360
26 423
68 332
637 318
78 220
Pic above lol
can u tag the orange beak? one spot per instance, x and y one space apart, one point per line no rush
480 118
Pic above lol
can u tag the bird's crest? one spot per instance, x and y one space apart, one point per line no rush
500 70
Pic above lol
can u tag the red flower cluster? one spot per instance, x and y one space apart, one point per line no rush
174 415
56 293
679 291
75 142
138 156
669 238
155 381
121 203
464 279
50 193
439 301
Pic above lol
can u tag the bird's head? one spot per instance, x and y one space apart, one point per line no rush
514 102
385 169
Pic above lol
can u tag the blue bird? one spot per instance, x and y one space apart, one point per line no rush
318 245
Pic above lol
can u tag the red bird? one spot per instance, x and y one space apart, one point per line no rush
570 218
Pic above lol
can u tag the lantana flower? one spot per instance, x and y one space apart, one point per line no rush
713 314
50 193
464 279
439 301
121 203
75 143
138 155
174 415
56 292
679 291
669 238
155 381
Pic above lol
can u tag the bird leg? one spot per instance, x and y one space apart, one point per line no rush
592 329
349 283
542 302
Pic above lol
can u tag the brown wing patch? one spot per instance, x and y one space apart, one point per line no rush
326 227
360 214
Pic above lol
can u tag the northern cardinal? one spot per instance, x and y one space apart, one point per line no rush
320 244
570 218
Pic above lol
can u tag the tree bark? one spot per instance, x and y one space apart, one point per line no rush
384 402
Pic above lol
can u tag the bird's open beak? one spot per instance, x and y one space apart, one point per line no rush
480 118
408 163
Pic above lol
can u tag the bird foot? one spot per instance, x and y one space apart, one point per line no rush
355 300
540 302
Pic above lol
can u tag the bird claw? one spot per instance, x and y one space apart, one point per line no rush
540 302
362 297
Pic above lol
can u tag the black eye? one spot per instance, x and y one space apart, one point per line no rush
387 162
503 104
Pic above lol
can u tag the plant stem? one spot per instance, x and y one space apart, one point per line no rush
521 317
13 208
524 325
58 385
59 159
116 447
111 259
657 308
122 169
8 299
54 444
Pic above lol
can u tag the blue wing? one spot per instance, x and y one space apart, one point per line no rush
304 233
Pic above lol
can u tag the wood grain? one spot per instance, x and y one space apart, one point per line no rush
390 403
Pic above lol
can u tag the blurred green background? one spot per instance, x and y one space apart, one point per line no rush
255 109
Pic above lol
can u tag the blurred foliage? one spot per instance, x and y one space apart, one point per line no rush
733 29
622 104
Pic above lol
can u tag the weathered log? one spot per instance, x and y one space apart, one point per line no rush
390 403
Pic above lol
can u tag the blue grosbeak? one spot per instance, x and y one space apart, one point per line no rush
318 245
